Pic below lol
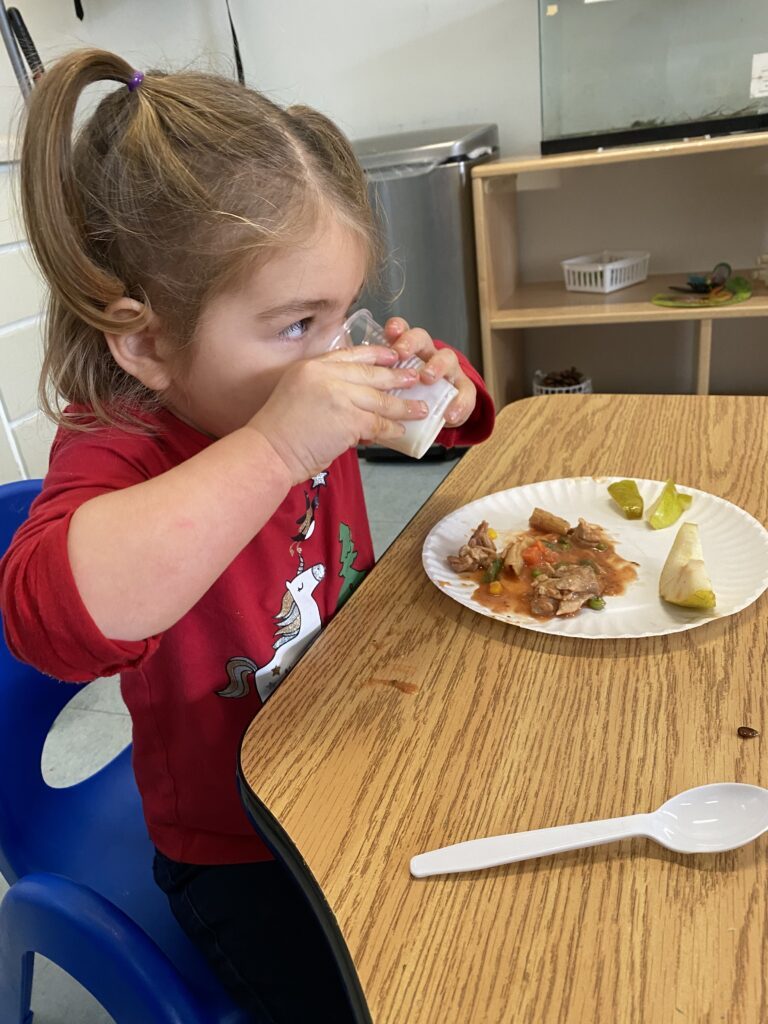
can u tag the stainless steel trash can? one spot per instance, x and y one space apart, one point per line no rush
420 187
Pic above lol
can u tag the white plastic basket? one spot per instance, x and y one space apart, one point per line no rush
605 271
585 388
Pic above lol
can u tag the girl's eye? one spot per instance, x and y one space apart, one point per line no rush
297 330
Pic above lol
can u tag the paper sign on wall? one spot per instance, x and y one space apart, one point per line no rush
759 84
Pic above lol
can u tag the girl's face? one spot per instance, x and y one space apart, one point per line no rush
291 308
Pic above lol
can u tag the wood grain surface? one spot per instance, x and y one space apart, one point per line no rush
619 154
414 722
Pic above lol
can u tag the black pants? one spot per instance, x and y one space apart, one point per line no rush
256 929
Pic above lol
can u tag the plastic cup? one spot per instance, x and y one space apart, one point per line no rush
362 329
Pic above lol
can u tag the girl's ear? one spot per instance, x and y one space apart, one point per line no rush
142 353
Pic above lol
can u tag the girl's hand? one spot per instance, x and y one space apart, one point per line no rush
413 341
321 407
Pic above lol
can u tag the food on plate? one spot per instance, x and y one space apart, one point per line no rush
478 553
627 497
684 579
545 521
668 507
550 570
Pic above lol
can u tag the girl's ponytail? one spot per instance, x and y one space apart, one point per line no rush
52 199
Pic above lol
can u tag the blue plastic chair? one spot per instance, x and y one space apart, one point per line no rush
79 864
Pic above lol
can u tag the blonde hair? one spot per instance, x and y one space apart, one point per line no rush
170 191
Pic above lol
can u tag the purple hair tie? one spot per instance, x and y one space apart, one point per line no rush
136 80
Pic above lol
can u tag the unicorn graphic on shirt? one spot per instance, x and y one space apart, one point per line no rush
298 623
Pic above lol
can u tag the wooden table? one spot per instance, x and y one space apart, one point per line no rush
413 723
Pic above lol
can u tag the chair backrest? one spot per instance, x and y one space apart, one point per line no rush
29 705
15 500
92 832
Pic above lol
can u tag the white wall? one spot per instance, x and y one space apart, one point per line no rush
146 32
384 67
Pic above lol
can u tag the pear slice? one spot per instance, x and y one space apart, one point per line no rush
684 579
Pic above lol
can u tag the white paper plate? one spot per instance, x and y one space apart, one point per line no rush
735 551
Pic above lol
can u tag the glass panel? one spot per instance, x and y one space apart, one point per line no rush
616 65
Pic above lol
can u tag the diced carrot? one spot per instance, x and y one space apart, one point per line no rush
533 555
495 587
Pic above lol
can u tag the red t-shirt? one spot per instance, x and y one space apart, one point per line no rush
193 689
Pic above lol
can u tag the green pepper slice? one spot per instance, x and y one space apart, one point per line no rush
627 497
491 574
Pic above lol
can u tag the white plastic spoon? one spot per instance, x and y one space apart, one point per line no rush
707 819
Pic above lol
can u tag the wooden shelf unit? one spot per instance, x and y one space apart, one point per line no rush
508 306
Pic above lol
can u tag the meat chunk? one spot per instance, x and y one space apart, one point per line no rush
571 603
481 537
548 522
541 605
546 586
579 579
513 554
587 535
468 559
478 553
566 591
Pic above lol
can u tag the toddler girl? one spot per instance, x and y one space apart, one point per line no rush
203 516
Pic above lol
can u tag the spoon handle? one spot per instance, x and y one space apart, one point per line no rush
495 850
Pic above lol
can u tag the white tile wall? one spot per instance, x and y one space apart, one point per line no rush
10 461
33 437
22 291
11 228
21 351
25 434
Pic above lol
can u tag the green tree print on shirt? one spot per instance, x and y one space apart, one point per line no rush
352 577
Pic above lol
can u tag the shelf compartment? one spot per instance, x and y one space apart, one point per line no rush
549 304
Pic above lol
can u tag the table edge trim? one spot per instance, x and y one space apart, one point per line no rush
279 842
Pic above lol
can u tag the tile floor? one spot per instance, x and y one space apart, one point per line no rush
95 724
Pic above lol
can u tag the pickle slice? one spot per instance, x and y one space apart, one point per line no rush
627 497
668 507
